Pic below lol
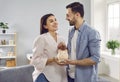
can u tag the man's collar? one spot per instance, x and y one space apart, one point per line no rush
81 27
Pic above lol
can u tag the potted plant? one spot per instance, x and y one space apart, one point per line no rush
113 44
4 26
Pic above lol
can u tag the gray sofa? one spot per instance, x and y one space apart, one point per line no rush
24 74
17 74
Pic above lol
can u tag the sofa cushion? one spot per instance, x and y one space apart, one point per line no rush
17 74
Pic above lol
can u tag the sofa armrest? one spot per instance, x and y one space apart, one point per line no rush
17 74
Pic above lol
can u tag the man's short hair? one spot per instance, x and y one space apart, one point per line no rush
76 7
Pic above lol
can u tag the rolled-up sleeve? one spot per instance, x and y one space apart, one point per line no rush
94 46
39 59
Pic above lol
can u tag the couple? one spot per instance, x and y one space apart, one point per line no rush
83 49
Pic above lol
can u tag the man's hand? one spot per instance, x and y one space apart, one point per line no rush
69 61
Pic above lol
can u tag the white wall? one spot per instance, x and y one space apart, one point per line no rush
23 16
98 18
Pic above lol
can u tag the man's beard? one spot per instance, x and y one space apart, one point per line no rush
71 23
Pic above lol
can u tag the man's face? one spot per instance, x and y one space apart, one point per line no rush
70 16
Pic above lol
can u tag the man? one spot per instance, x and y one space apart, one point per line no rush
83 46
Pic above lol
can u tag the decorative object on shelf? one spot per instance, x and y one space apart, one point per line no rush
1 51
10 54
29 56
113 44
11 42
10 63
3 42
4 26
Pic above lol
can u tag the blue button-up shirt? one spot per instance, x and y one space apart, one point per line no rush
88 46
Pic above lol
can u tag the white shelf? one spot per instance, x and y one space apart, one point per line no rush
6 45
7 33
3 67
108 55
7 57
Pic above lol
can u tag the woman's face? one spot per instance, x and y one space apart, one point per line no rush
51 24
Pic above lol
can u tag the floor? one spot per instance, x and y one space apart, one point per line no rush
109 78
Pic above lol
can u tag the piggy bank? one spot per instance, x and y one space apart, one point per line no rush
62 52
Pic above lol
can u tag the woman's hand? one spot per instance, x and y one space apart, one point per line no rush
59 62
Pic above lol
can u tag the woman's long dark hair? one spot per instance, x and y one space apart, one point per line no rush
43 22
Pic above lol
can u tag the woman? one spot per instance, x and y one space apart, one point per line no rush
47 68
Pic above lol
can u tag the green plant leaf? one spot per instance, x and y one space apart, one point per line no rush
113 44
4 25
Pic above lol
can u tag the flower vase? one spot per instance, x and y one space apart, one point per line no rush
113 52
4 31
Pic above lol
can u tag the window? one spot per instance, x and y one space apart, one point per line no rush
114 21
